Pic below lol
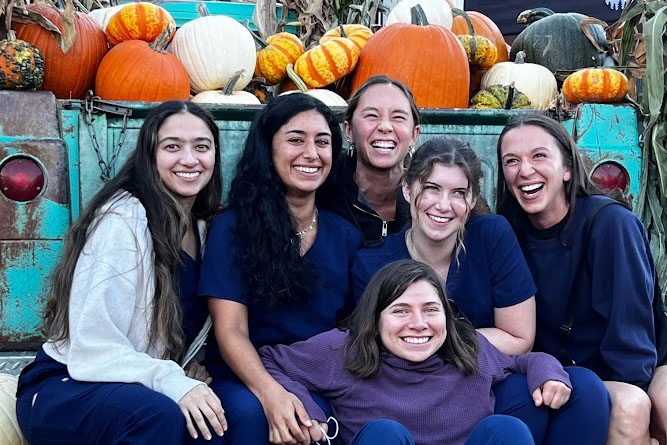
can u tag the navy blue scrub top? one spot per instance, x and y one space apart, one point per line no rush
492 272
331 255
195 308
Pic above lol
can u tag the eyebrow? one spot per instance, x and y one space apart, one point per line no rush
392 111
430 303
180 139
322 133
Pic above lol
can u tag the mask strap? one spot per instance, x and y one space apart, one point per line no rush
326 437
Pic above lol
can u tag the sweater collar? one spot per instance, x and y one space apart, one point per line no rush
431 364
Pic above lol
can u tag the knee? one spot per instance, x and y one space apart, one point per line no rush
631 411
507 424
588 388
383 431
501 430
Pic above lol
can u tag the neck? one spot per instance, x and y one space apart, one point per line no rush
379 186
546 220
302 209
437 254
186 203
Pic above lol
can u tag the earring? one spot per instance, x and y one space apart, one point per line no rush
411 150
349 151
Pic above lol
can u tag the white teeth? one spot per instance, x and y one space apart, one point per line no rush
530 188
187 175
439 219
306 169
384 144
416 340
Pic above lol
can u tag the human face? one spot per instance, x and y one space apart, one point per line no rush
443 207
185 156
382 127
532 163
302 152
413 327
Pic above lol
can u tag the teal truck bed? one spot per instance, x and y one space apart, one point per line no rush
54 153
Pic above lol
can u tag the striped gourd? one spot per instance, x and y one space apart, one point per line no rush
327 62
281 49
138 21
595 85
359 34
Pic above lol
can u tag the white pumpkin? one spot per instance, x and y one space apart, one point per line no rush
219 97
103 15
535 81
213 49
10 433
438 12
328 97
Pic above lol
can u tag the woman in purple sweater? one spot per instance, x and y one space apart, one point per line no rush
407 371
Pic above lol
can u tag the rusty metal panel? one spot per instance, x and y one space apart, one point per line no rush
28 114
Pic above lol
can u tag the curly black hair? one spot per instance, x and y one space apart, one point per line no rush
275 273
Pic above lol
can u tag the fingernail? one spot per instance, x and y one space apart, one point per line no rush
309 423
207 437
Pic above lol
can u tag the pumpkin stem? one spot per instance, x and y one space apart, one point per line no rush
296 79
258 40
202 9
520 57
510 97
461 13
229 88
530 16
11 35
342 31
161 42
418 16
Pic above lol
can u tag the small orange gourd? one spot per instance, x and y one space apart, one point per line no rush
359 34
138 21
276 53
327 62
595 85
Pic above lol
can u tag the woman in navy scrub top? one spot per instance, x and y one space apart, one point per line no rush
116 322
276 269
479 258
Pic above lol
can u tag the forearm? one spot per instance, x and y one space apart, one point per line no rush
241 356
506 342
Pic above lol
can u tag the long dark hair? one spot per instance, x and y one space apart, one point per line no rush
450 152
579 183
363 348
167 224
274 271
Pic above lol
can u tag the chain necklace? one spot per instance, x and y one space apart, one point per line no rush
303 232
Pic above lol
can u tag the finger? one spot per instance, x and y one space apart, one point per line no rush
315 433
208 380
216 416
188 423
537 397
285 435
301 413
306 434
201 423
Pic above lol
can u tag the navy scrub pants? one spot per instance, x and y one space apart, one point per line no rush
494 430
584 419
54 409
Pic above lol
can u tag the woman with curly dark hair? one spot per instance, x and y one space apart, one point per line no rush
276 270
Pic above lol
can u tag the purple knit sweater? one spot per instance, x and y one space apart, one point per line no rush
432 399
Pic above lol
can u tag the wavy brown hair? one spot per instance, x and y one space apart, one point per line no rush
167 224
364 346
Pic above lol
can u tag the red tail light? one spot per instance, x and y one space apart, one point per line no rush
610 175
21 178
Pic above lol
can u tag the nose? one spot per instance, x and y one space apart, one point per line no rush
310 151
385 125
417 321
443 203
189 157
526 169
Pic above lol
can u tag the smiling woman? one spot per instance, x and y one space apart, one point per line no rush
277 267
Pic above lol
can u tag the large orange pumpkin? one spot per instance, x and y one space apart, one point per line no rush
595 85
69 75
427 58
138 21
484 27
137 71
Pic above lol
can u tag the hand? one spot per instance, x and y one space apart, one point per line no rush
552 393
202 402
197 371
315 432
284 411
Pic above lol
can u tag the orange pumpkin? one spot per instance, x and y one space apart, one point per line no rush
485 27
137 71
427 58
69 75
327 62
359 34
138 21
595 85
279 51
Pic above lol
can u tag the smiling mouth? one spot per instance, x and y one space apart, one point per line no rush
530 190
439 219
186 175
306 169
416 340
384 146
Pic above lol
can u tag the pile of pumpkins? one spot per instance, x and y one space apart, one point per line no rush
449 58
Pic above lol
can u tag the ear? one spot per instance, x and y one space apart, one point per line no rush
473 203
347 131
406 191
415 134
567 175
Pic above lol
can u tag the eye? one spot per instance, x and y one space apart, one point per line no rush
460 192
323 142
432 309
540 155
400 117
171 147
370 116
295 140
399 311
510 161
202 147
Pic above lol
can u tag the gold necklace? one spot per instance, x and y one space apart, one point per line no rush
303 232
